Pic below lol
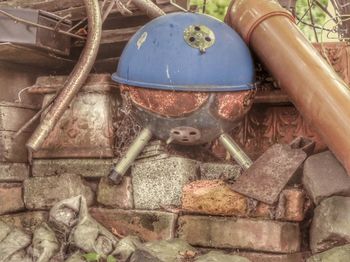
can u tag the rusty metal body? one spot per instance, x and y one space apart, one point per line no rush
86 128
188 118
76 78
317 91
19 33
12 117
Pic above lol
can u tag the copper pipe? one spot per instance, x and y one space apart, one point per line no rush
75 80
150 8
316 90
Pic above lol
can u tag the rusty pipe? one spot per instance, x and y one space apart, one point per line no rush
150 8
320 95
75 80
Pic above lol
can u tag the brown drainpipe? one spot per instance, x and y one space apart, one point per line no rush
75 80
317 91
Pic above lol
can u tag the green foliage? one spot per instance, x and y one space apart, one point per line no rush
318 15
218 8
95 257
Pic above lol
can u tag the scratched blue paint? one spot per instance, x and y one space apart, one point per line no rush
163 60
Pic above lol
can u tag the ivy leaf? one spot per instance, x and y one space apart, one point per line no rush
91 257
111 259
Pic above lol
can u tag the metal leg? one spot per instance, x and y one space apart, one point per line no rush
235 151
117 173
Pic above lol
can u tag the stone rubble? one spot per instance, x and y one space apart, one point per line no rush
324 176
331 224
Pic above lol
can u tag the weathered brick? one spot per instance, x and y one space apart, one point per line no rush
11 198
27 221
148 225
330 225
85 167
13 172
219 171
213 197
324 176
159 183
291 205
265 257
337 254
117 196
226 232
216 256
44 192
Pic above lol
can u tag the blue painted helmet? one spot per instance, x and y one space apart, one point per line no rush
186 52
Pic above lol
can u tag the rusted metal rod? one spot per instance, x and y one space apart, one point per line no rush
320 95
150 8
75 80
21 20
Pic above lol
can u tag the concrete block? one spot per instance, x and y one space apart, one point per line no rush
159 183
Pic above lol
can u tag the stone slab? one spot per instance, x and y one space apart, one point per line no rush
228 232
268 175
266 257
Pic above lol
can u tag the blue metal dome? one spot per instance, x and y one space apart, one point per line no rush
186 52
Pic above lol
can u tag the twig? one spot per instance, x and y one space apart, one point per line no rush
312 20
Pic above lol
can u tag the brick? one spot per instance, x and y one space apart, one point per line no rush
337 254
265 257
26 221
219 171
159 183
13 172
270 173
324 176
10 198
227 232
330 225
13 150
148 225
90 168
291 205
213 197
44 192
116 196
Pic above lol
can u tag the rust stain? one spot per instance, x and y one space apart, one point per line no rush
166 103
